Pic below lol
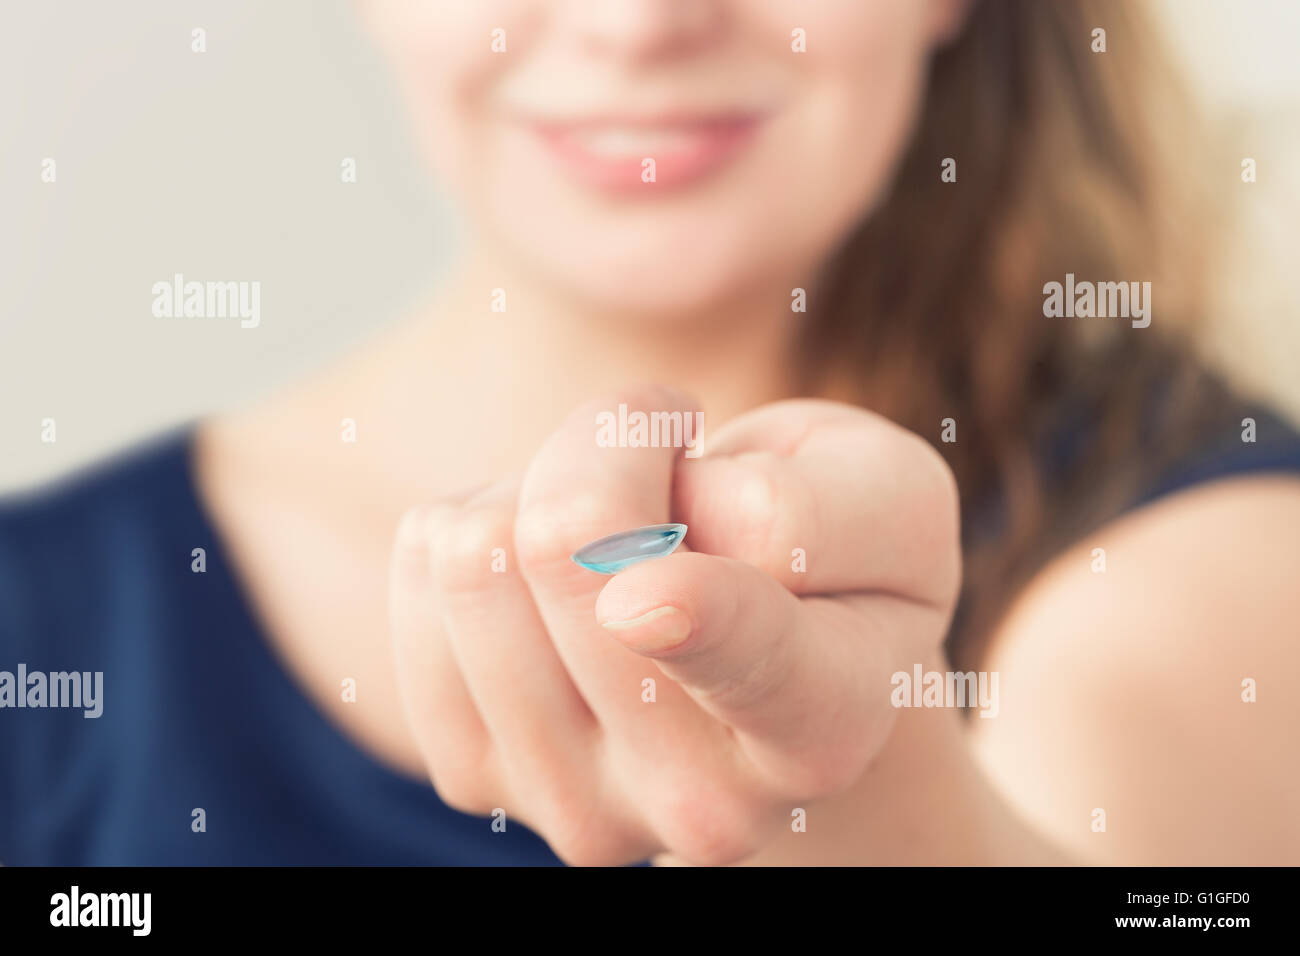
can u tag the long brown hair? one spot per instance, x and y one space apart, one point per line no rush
1067 161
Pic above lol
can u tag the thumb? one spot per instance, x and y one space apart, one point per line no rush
804 684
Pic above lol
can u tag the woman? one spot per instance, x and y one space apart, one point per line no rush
833 230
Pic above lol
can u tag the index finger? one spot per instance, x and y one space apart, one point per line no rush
581 487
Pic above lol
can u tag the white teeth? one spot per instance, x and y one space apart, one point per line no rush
629 141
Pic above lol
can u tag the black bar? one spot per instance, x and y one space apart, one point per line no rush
372 904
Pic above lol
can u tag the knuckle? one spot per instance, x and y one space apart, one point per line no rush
768 510
461 791
463 772
411 543
758 507
463 548
568 813
585 839
758 515
550 529
709 827
585 850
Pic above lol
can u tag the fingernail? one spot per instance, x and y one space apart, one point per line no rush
612 554
658 630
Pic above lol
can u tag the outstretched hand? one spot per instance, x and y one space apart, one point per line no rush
687 704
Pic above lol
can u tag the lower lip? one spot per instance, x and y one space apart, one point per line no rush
698 150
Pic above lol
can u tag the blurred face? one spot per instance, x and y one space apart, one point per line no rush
663 155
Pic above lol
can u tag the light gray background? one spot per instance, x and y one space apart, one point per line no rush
225 166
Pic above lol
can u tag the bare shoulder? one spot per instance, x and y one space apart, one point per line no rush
1148 684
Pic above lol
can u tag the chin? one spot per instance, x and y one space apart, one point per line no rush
661 288
657 265
647 300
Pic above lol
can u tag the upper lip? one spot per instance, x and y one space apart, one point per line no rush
667 116
673 120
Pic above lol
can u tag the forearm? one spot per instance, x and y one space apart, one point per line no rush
923 801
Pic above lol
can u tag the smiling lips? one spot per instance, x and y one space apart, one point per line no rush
611 154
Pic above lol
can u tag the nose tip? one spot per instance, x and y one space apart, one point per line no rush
644 28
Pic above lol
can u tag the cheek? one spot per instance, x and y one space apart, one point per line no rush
861 111
861 81
863 74
449 36
442 55
864 67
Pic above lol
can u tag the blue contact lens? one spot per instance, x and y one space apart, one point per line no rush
616 552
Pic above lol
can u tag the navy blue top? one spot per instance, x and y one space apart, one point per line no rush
198 713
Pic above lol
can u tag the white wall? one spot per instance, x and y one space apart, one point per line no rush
224 165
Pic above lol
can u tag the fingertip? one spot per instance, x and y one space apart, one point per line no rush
700 588
671 579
